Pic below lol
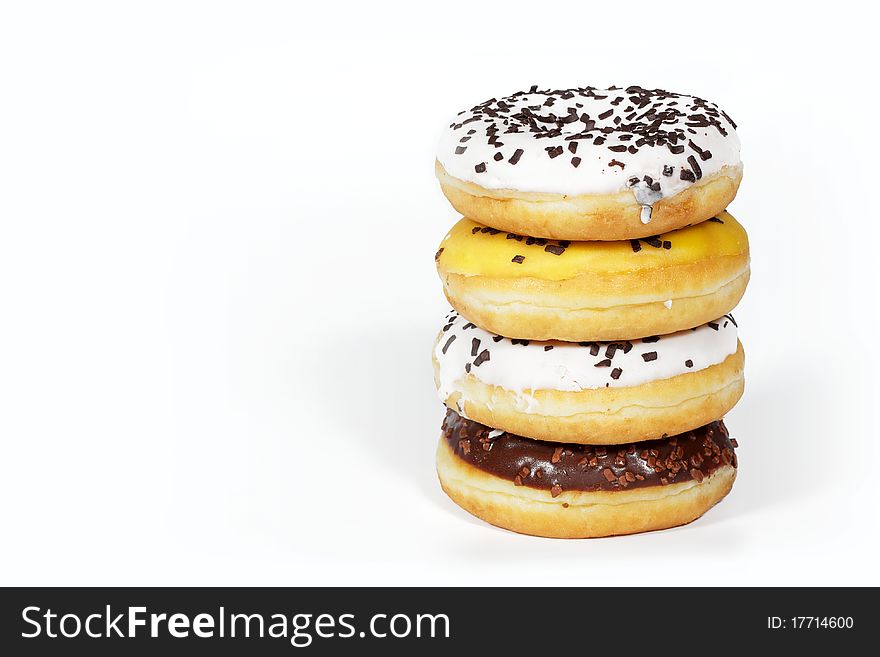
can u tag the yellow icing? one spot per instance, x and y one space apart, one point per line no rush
487 254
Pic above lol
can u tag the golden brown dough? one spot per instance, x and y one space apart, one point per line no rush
589 217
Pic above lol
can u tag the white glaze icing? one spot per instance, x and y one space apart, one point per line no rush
525 366
559 150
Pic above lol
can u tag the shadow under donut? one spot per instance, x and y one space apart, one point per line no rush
384 403
780 432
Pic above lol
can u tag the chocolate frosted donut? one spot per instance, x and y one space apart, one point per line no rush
590 164
578 491
590 392
555 467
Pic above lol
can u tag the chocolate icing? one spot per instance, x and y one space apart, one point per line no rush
563 466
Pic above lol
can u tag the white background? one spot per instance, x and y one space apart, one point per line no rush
218 292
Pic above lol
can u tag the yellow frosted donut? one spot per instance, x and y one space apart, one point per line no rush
537 289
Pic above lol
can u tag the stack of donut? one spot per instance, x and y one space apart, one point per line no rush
591 353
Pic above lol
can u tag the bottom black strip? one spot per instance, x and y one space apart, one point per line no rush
427 621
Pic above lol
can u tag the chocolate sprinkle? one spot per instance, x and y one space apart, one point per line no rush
698 172
482 358
649 356
518 259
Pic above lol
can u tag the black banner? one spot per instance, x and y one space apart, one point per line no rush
333 621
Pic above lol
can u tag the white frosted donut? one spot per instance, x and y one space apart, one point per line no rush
590 392
590 164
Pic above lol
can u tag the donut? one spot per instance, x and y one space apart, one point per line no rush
538 289
580 491
590 392
590 164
